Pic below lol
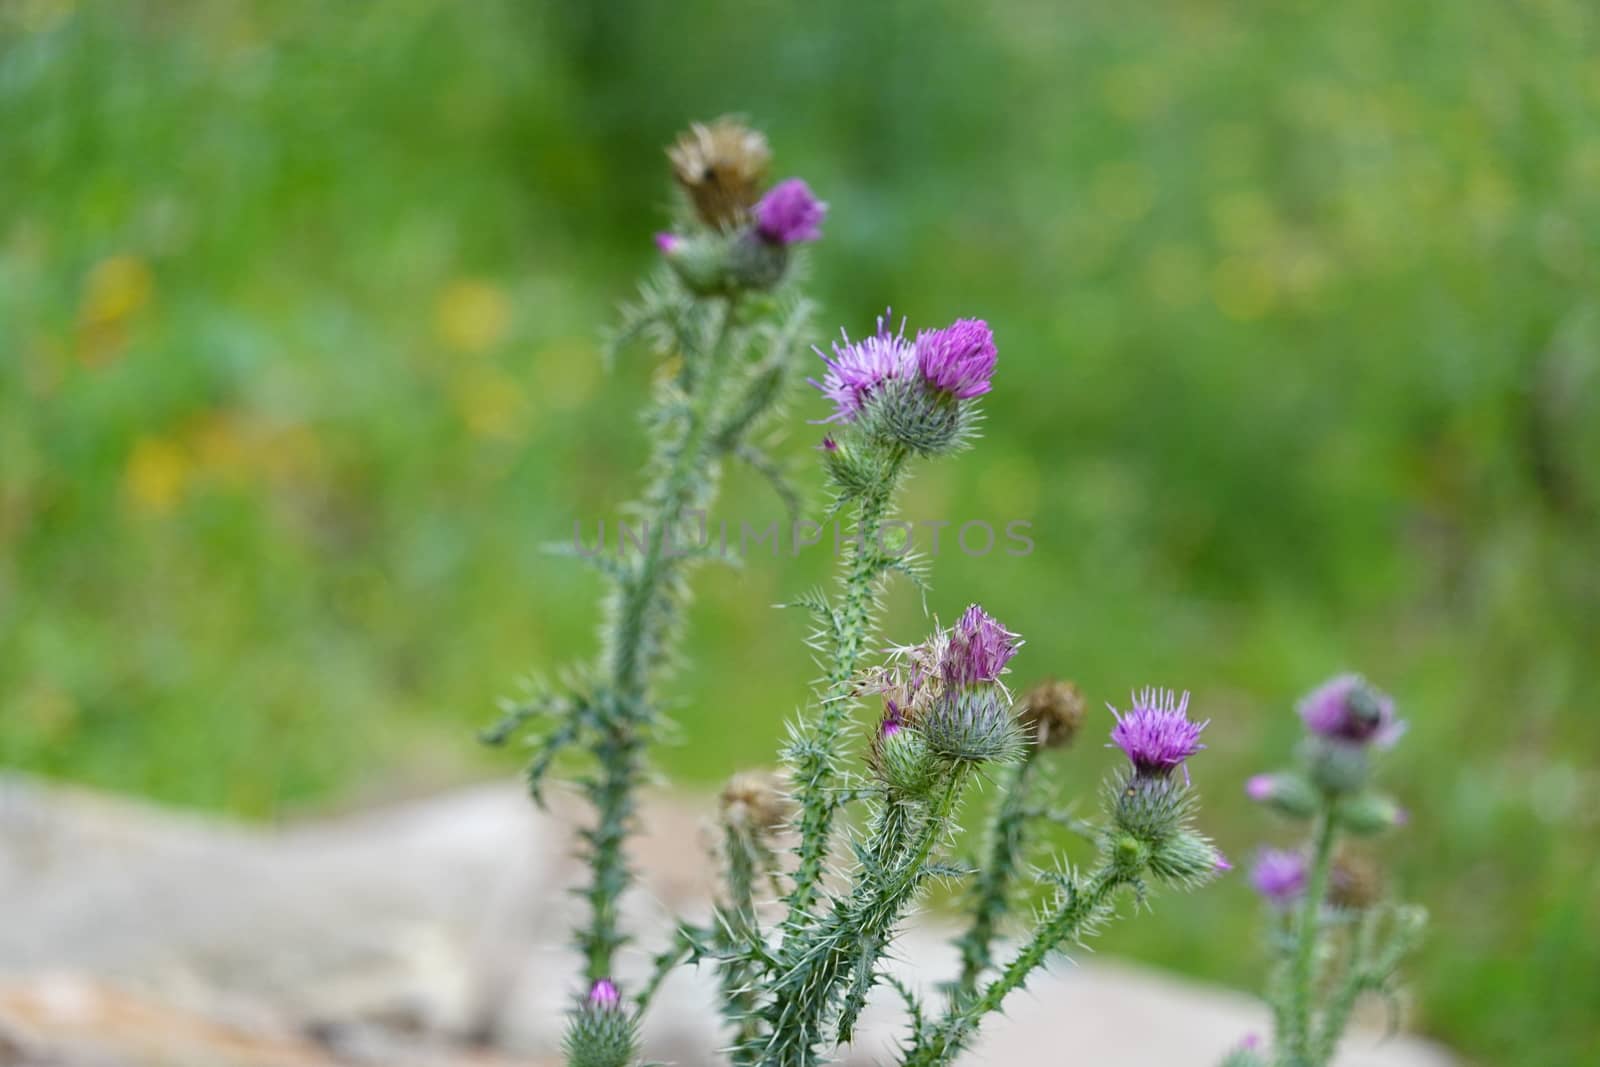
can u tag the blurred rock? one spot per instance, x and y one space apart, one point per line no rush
425 934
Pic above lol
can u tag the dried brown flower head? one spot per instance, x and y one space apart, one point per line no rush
755 801
721 166
1356 882
1051 712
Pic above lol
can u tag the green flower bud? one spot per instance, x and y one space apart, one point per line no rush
1287 793
1337 767
1369 813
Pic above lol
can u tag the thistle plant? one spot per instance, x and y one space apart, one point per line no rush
823 863
723 314
1334 934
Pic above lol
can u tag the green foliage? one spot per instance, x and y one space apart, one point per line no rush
1299 344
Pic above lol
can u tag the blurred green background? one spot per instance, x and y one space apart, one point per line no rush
1299 313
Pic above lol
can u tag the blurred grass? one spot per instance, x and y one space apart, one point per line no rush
1299 308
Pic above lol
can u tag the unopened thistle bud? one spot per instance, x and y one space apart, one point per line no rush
1348 709
900 758
1279 876
1286 793
754 802
1246 1053
601 1034
1185 858
1050 713
1369 813
721 166
703 262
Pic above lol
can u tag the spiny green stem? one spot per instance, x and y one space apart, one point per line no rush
854 627
1307 933
995 876
627 713
867 917
1067 924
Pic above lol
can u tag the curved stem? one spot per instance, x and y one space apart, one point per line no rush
1067 924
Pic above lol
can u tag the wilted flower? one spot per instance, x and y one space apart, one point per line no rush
959 359
789 213
978 650
1051 712
1279 876
1354 882
755 801
860 367
720 166
1346 708
1156 733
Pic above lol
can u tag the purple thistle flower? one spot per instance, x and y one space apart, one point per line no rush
668 242
979 649
789 213
1156 734
603 995
1279 876
859 367
1259 787
959 359
1346 708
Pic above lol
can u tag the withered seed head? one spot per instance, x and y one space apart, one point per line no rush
1051 712
1356 882
721 166
755 801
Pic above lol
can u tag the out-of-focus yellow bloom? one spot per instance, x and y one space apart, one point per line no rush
565 372
155 475
1175 275
492 404
1135 92
1122 191
1243 287
472 315
115 291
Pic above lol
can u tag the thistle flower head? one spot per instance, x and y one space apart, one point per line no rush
1348 709
1156 734
958 360
720 165
789 213
1050 713
859 368
977 650
1279 876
